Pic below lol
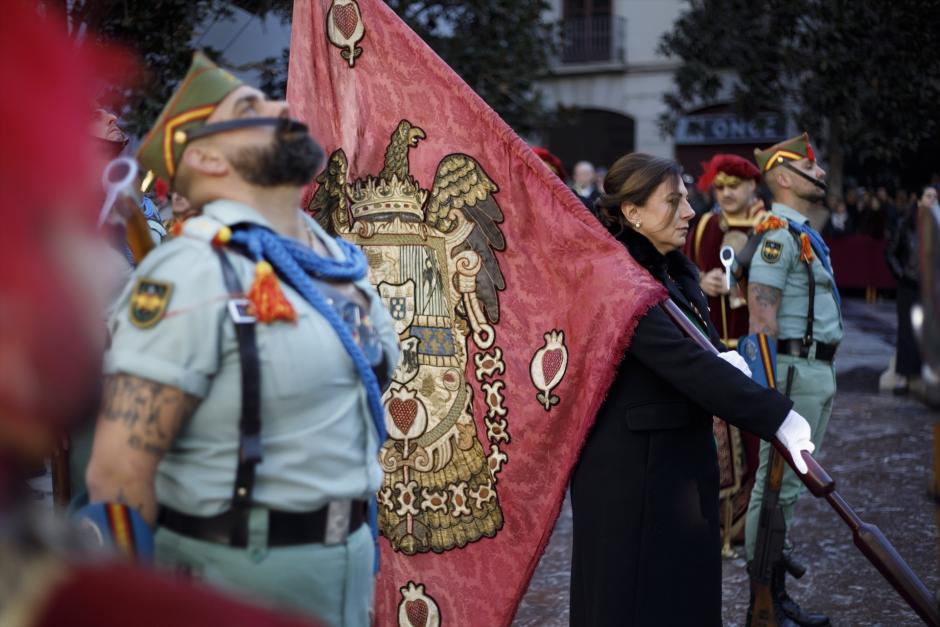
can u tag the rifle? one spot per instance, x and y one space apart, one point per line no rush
771 533
867 537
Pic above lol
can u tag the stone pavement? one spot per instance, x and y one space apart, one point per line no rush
878 449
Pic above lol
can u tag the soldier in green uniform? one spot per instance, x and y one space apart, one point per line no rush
792 296
242 409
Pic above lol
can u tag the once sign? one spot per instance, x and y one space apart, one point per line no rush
726 128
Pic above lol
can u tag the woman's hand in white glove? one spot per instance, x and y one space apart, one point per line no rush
795 435
734 358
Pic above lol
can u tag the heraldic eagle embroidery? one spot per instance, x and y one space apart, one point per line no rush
432 258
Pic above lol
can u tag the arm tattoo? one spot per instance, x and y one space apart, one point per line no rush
151 412
763 302
765 295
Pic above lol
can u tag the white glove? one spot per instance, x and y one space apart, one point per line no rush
795 435
734 358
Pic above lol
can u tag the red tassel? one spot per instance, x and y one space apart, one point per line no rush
176 228
268 302
806 249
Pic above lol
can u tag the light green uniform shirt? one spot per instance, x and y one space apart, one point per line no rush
777 264
318 439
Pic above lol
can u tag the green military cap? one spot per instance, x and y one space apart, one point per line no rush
197 96
792 149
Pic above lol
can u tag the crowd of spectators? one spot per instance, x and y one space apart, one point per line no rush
874 212
867 213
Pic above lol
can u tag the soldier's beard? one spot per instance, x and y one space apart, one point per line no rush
814 194
291 159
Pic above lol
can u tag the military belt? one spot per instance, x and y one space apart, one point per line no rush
798 348
331 524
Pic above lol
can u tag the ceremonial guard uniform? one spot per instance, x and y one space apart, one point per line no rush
792 257
267 487
725 227
318 445
736 212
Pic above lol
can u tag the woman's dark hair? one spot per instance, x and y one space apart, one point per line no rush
633 178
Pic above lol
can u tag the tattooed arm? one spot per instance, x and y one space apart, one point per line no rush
138 421
762 304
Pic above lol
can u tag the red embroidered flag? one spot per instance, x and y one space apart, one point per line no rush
513 305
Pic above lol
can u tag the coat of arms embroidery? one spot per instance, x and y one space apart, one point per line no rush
433 259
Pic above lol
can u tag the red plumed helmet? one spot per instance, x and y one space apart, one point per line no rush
732 165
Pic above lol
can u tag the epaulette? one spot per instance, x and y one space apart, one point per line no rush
773 223
207 229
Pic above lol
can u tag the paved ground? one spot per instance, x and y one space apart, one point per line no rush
878 450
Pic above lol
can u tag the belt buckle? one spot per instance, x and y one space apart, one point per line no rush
338 515
238 311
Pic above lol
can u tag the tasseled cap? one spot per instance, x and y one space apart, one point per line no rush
793 149
728 165
197 96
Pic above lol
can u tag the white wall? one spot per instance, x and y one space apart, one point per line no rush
636 89
647 20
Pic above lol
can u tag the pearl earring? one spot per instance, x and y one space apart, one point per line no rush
637 224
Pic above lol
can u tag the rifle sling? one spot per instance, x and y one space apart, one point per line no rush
249 424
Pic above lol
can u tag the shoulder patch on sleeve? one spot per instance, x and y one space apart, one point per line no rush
770 250
148 302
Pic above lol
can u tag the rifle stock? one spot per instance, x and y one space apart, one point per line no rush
771 535
867 537
61 484
138 232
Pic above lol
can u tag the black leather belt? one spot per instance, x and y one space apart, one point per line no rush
796 348
284 528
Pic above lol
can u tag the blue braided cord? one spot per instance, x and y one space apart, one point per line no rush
292 261
353 268
149 209
822 252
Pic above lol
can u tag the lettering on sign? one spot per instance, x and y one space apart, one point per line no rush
726 128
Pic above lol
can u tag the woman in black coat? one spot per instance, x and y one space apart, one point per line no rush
645 490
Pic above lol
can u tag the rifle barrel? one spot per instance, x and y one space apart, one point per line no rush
881 553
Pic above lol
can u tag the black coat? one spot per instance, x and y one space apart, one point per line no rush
645 489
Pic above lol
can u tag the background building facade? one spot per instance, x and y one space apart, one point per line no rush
608 82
